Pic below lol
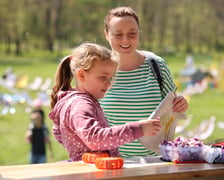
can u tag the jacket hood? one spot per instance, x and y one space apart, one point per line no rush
63 99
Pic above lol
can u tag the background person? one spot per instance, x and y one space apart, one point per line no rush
190 67
37 135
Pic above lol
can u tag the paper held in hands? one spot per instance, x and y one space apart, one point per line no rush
169 121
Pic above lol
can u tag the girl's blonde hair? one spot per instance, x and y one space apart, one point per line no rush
82 57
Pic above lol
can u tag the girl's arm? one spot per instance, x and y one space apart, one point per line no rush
92 128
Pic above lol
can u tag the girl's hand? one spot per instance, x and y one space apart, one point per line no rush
180 104
150 127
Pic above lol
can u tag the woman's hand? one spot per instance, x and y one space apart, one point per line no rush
180 104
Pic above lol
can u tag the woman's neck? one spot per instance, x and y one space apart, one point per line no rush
131 61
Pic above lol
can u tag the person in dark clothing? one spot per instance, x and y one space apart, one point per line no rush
37 135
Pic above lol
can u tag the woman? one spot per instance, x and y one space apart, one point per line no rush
135 93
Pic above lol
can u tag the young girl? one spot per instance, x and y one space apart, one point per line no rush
79 122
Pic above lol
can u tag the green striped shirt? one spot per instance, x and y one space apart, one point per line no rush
133 96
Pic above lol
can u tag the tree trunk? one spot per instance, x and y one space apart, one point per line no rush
18 49
8 45
49 35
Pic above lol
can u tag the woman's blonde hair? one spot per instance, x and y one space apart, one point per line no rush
82 57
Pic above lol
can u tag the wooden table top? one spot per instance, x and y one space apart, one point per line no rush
81 171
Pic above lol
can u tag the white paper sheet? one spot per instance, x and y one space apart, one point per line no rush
169 121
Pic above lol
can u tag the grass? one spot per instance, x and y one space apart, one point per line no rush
14 149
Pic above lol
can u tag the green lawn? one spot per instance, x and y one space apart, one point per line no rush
14 150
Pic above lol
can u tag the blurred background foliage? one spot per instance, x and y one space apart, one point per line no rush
167 26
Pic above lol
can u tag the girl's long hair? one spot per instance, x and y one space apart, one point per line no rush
63 79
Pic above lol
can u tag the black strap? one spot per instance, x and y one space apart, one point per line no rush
156 71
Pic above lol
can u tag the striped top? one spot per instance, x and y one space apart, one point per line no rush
133 96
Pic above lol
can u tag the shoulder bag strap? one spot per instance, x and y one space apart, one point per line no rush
156 71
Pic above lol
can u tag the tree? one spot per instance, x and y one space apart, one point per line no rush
174 25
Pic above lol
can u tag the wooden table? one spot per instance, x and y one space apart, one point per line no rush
81 171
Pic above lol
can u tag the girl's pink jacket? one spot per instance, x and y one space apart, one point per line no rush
80 126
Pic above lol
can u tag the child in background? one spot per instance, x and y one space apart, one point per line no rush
37 135
79 122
